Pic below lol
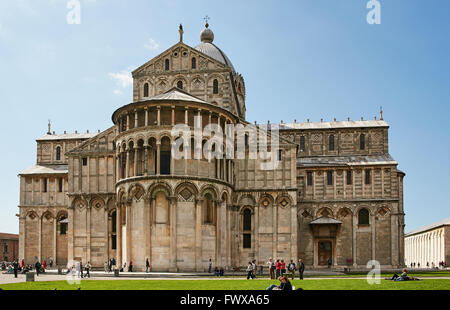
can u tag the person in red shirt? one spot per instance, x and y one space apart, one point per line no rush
283 267
44 265
278 268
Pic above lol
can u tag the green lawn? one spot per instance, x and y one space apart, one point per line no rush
328 284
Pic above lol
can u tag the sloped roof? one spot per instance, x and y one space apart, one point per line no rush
346 161
334 125
429 227
9 236
175 94
214 52
46 169
68 136
324 220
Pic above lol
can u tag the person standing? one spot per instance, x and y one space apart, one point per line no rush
147 265
81 270
249 270
44 265
283 267
130 266
22 264
88 269
16 268
271 266
292 269
37 266
330 262
301 268
278 268
254 269
210 266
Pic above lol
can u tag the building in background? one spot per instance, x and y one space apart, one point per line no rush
336 195
428 246
9 247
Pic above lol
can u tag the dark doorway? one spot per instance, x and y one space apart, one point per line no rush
324 252
165 162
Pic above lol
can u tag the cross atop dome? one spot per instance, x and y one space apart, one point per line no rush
206 36
206 18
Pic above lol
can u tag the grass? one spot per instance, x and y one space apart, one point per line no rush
327 284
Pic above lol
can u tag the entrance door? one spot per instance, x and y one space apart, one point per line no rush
324 253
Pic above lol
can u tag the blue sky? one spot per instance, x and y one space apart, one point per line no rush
300 59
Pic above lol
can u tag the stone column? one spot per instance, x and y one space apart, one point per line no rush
256 233
22 236
275 230
128 122
294 227
136 123
173 115
146 116
173 234
88 234
40 239
198 235
158 157
355 227
158 115
129 237
70 241
373 227
106 256
119 234
172 162
148 227
127 172
135 164
145 159
54 239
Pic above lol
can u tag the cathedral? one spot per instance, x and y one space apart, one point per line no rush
336 195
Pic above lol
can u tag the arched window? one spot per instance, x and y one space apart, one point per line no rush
247 220
247 228
302 144
194 63
146 90
208 209
330 177
363 217
167 65
362 141
63 225
165 154
114 231
58 153
215 87
331 144
180 84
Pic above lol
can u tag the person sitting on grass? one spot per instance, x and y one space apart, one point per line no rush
403 276
285 285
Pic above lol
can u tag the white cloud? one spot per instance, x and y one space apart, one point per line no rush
123 80
152 45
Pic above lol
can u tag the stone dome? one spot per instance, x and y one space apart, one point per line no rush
208 48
